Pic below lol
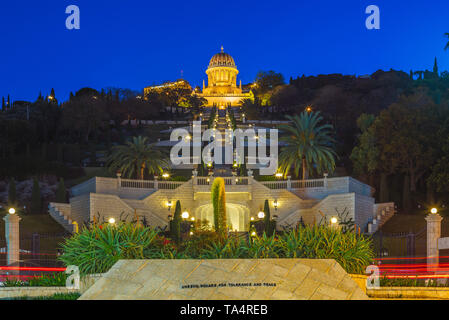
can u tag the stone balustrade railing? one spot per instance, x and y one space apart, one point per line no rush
325 185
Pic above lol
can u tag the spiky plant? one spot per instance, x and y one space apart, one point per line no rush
98 248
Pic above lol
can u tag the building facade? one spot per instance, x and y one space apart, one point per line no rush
221 90
312 201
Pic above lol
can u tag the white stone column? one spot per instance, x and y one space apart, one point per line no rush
433 234
325 180
119 180
12 236
289 182
156 182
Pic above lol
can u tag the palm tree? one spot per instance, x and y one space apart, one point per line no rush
447 44
307 144
137 157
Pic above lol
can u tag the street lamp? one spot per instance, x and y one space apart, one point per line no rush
169 205
185 215
434 210
12 211
275 204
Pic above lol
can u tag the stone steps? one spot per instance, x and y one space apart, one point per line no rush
59 217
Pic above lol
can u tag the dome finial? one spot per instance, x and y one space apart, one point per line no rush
222 49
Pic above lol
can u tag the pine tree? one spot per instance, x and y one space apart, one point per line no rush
175 227
12 194
36 201
61 193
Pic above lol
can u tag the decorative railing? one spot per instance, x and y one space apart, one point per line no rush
138 184
238 181
276 185
150 184
294 184
301 184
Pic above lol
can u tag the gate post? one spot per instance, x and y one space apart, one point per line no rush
12 239
433 234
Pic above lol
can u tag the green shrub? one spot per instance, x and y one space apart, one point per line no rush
95 250
47 280
353 252
98 248
56 296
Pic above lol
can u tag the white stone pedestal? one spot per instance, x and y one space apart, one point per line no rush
433 234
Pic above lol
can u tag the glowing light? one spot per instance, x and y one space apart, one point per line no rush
434 210
334 220
12 211
185 215
252 218
111 220
166 175
253 234
169 204
261 215
279 175
193 218
191 233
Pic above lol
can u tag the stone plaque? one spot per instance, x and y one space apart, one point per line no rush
227 279
443 243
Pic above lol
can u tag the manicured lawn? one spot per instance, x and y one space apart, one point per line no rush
41 224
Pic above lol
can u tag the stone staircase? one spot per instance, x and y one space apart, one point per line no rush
379 220
60 212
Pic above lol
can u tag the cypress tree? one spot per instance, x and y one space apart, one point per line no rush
267 219
36 201
61 194
435 67
12 194
219 204
175 228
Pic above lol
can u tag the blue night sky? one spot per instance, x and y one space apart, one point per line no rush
132 44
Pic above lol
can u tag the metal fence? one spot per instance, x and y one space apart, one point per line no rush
38 250
404 244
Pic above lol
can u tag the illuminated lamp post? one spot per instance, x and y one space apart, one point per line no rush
12 237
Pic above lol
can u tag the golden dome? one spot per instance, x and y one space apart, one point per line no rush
222 59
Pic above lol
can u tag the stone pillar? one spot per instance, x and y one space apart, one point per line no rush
289 182
12 236
325 180
119 180
156 182
433 234
194 177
